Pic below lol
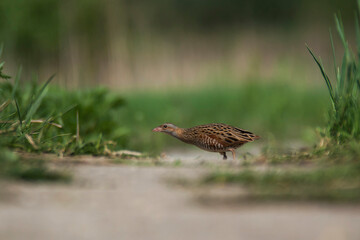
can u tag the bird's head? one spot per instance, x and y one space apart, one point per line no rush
167 128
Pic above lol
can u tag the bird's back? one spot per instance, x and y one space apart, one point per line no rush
217 137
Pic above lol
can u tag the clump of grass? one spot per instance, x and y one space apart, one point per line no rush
98 112
344 116
63 122
17 129
343 127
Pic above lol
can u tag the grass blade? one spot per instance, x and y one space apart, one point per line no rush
343 73
31 141
334 57
47 83
33 107
340 29
346 60
77 127
18 113
66 110
16 82
357 32
56 136
4 105
328 83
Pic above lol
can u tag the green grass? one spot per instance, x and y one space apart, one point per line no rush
108 120
334 173
16 129
344 116
59 121
34 118
39 118
274 111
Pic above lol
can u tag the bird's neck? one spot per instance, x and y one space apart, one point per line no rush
178 133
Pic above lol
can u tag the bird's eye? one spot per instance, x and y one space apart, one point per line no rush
165 126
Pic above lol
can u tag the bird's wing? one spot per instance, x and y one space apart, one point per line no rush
226 139
243 134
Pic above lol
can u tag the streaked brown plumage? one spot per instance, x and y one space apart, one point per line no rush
214 137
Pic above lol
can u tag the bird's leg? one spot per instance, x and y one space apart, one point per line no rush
224 154
233 152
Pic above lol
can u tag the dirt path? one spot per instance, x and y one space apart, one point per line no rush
129 202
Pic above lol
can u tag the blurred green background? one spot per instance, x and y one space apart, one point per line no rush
181 61
155 43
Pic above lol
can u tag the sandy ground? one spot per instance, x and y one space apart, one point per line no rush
132 202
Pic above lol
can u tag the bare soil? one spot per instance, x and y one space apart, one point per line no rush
109 201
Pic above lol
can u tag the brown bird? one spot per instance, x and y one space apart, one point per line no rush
214 137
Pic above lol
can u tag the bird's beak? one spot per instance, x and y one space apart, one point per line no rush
157 129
